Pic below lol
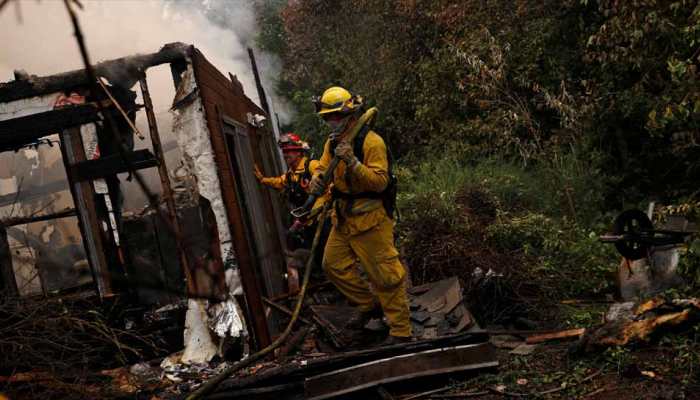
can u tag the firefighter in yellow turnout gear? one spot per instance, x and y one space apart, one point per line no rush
294 184
300 168
362 228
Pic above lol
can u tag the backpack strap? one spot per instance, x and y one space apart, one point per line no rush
358 146
307 173
388 196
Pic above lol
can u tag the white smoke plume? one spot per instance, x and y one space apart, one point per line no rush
42 43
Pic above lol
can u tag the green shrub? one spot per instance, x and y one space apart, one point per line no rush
565 259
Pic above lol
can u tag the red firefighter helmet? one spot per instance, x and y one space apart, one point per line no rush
291 142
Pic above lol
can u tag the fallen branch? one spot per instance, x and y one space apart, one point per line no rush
67 334
284 309
428 393
569 333
460 395
595 392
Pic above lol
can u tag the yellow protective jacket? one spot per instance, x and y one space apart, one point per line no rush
371 175
280 182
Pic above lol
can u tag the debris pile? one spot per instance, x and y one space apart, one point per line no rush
630 323
323 358
57 344
438 309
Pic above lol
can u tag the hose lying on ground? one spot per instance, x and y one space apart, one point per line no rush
210 385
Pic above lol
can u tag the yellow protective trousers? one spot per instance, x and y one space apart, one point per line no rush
380 260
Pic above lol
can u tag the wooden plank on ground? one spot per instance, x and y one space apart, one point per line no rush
565 334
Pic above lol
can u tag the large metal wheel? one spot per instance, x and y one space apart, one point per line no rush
634 226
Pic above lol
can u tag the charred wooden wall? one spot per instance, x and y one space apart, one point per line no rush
224 99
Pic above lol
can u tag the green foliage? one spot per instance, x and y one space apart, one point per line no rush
578 316
532 233
517 80
271 35
520 125
618 357
565 258
459 215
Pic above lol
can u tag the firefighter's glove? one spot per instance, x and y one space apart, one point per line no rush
316 184
344 151
258 174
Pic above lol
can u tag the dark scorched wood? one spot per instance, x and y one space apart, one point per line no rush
124 71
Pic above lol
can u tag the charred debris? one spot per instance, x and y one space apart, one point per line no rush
74 260
101 300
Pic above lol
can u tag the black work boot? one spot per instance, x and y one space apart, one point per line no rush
358 321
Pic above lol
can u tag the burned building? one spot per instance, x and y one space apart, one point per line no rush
209 231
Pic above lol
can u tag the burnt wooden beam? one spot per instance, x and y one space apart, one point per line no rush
38 218
8 284
258 83
125 71
73 152
286 373
167 190
177 68
113 164
32 192
16 132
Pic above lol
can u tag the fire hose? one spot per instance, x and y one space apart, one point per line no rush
210 385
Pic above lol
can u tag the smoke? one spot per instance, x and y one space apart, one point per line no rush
42 43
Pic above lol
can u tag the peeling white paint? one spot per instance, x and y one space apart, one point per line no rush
29 106
190 129
199 344
193 137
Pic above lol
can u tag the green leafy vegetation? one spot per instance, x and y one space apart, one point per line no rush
521 129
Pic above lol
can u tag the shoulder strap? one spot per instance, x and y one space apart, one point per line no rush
359 143
307 173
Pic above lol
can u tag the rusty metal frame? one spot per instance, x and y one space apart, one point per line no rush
398 368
